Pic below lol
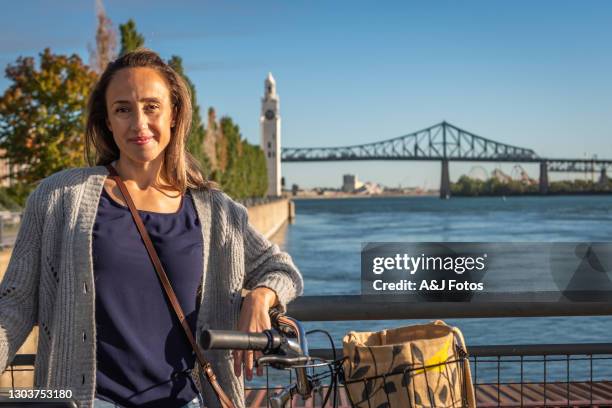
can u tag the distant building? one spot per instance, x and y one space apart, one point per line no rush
271 135
350 183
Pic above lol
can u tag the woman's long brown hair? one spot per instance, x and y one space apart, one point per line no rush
180 170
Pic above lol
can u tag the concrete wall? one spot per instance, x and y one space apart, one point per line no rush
268 218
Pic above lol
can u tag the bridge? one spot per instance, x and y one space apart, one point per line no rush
445 142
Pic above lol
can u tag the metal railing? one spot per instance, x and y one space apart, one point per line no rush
543 375
356 307
494 388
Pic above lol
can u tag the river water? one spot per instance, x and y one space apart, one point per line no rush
326 238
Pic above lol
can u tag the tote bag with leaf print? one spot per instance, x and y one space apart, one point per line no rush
422 365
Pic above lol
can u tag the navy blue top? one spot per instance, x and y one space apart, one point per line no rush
143 355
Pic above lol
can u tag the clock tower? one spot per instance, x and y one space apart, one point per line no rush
271 135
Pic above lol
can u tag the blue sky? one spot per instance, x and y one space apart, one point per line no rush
532 74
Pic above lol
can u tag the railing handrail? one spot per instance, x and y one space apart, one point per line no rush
505 350
357 307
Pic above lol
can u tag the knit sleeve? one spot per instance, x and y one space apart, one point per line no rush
267 266
19 287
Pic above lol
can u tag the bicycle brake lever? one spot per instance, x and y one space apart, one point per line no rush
282 361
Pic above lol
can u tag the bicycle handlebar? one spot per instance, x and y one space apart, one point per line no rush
234 340
290 351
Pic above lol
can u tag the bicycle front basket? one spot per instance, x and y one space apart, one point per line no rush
422 366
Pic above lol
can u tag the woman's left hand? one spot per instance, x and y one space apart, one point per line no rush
254 318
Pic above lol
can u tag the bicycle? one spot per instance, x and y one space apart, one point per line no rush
285 347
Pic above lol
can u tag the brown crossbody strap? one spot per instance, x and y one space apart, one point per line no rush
159 268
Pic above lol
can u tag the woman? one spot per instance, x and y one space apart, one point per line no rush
81 272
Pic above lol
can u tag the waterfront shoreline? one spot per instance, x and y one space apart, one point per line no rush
348 196
436 194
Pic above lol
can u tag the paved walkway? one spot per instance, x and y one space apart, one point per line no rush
584 394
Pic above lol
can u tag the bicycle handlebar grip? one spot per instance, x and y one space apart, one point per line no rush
235 340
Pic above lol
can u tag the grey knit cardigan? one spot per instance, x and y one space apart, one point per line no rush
50 282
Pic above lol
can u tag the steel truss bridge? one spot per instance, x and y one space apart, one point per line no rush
445 142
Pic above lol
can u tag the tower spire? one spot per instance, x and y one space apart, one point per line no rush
271 135
270 86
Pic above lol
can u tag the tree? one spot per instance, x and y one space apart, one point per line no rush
41 115
130 38
245 174
106 41
195 142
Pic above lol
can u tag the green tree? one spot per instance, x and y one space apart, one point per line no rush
41 114
230 178
245 174
130 38
256 172
195 142
8 200
467 186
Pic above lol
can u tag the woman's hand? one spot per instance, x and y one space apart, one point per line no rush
254 318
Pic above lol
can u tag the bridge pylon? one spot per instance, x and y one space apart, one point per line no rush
445 191
543 177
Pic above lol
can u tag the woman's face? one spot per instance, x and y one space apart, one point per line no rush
139 113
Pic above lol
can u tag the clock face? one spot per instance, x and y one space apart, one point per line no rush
269 114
